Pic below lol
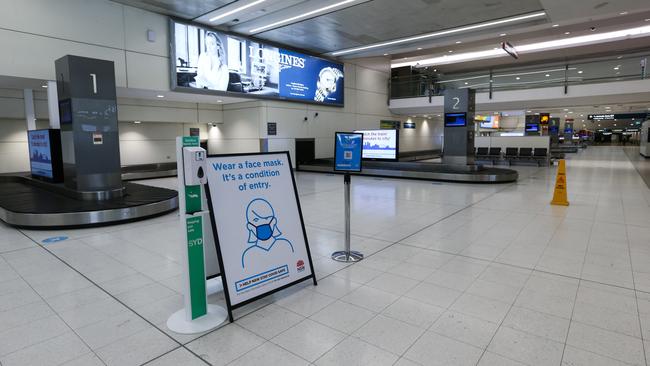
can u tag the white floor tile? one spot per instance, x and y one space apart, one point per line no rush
355 352
389 334
343 316
225 345
438 350
269 321
526 348
309 339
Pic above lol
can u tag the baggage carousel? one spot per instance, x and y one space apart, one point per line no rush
30 203
421 170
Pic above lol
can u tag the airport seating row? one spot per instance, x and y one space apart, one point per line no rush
538 155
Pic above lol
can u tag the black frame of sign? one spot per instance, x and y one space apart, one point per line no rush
336 148
182 89
226 292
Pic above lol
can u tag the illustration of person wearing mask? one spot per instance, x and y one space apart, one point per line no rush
212 70
264 237
326 83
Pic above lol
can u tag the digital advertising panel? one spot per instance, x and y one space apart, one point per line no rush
40 154
261 240
216 62
455 119
45 157
380 144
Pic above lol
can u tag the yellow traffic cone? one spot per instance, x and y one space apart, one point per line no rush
559 194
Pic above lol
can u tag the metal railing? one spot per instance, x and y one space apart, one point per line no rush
616 68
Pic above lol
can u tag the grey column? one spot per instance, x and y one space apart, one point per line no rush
459 141
30 116
53 105
89 130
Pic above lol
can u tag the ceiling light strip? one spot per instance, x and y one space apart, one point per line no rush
236 10
540 46
441 33
301 16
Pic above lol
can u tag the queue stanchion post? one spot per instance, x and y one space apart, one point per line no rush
347 152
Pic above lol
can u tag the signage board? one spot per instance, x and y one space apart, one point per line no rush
258 226
380 144
544 118
409 125
455 119
389 125
271 128
348 149
510 49
612 116
45 156
205 60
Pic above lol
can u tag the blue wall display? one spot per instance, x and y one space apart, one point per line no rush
348 147
215 62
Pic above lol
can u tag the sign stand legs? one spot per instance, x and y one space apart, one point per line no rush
347 255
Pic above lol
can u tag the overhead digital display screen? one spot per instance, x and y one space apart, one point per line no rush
491 122
380 144
455 119
220 63
532 128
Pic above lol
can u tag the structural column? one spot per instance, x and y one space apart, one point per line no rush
459 137
53 105
30 116
89 131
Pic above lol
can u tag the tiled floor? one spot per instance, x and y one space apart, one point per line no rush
455 274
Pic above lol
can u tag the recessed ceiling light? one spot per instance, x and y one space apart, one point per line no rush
528 111
219 101
450 51
566 109
301 16
547 75
555 25
567 33
44 86
419 48
503 34
459 42
385 54
517 78
236 10
623 13
580 71
570 112
619 57
442 33
137 122
466 83
160 96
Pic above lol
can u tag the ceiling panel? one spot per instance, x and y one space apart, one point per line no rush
381 20
186 9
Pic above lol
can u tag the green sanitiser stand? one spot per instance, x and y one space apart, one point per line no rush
197 315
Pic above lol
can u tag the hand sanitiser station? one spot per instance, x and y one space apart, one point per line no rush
197 315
